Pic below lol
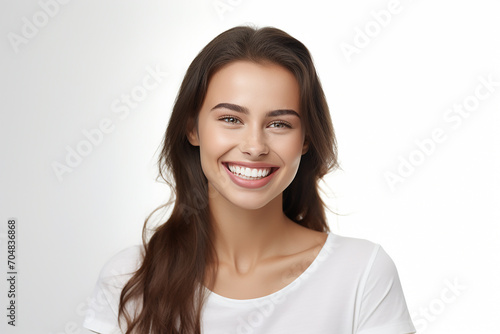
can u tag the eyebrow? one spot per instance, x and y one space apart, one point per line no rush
244 110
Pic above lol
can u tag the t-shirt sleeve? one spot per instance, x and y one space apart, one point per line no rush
102 313
383 308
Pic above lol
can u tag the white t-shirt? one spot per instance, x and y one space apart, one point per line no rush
351 287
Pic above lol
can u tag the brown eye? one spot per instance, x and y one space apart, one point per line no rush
281 125
229 119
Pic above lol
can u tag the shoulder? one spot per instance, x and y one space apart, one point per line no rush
361 254
102 314
122 265
354 247
371 275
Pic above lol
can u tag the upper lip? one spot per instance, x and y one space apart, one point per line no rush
251 164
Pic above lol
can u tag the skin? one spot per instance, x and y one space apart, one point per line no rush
259 249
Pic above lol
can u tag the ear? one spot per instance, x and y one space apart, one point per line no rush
305 147
192 133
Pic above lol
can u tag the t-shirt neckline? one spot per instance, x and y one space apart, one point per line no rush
305 273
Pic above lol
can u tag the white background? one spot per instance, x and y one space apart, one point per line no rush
439 222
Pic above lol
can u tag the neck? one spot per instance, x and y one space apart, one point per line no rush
243 237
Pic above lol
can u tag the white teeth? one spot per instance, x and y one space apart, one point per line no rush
249 172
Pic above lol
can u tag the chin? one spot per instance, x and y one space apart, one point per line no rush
246 206
250 202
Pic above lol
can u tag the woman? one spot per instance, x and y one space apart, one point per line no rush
247 248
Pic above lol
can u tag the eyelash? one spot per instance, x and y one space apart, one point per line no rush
236 118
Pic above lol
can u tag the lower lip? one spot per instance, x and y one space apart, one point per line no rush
249 183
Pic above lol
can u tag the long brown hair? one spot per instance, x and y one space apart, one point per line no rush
169 285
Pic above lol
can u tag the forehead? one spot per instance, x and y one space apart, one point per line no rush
254 85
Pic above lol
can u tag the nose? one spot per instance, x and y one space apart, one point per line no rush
254 143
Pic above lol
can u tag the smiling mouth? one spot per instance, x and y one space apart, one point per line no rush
248 173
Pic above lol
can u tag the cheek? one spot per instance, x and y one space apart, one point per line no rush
290 150
213 144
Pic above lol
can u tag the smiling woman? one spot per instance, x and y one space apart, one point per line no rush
247 248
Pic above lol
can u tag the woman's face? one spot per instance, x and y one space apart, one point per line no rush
250 133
